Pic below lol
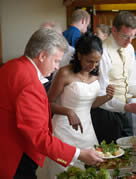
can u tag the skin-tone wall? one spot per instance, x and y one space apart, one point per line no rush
19 19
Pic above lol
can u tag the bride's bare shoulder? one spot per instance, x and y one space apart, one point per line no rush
66 70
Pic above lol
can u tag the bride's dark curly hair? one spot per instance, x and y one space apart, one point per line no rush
85 45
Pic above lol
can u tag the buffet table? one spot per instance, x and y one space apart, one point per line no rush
114 166
123 171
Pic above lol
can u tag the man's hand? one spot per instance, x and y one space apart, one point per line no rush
134 146
130 107
90 157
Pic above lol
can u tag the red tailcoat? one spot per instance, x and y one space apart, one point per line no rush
25 121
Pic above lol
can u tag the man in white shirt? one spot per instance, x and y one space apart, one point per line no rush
117 68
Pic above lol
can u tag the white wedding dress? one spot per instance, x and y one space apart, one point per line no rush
79 97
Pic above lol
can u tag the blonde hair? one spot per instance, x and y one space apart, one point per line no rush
104 28
78 15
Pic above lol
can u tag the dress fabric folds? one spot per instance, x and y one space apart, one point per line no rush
79 97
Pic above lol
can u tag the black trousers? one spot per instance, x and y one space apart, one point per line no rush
26 168
111 125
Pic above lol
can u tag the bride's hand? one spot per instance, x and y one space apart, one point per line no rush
74 120
110 90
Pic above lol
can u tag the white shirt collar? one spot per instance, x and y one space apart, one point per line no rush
114 43
40 76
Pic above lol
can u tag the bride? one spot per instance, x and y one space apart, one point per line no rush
74 91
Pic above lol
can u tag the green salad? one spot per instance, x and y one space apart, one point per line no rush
111 148
89 173
100 172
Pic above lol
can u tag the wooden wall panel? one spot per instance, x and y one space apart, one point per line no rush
105 17
0 47
87 3
114 7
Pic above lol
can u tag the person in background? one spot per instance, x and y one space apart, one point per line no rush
26 128
118 68
51 25
74 90
79 23
65 59
102 31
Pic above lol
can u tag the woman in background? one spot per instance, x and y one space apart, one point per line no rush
102 31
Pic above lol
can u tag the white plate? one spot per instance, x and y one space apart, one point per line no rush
113 156
126 142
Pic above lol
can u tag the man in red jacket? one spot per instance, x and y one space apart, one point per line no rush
26 129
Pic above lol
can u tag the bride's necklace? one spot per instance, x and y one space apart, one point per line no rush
83 79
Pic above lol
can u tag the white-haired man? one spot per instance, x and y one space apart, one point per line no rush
26 128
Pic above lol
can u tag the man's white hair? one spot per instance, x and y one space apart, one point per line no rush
45 39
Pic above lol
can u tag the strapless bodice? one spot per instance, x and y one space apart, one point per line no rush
79 95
